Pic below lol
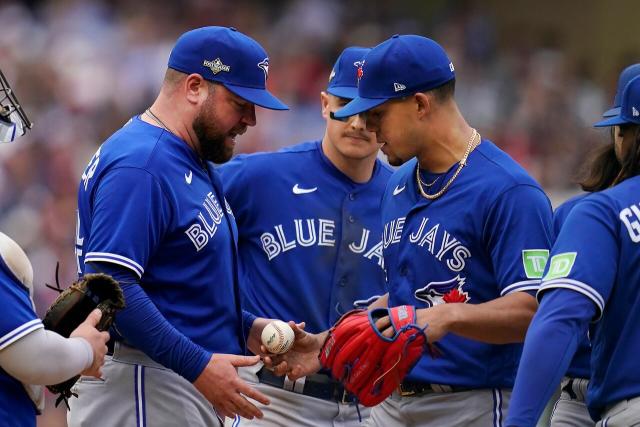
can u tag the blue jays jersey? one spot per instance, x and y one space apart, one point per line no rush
310 238
148 203
17 320
579 367
486 237
597 253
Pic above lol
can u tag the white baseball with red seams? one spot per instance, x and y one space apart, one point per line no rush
277 337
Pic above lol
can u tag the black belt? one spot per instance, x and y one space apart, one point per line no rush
415 389
110 346
320 386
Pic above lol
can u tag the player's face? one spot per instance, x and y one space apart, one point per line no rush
350 138
222 117
391 123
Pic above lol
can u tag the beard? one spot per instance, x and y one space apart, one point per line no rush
212 140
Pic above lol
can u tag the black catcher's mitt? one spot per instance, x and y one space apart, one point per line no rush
72 307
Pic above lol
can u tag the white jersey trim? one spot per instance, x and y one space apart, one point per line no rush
19 332
524 285
115 259
577 286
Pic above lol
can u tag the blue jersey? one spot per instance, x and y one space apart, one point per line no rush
579 367
310 238
17 320
487 236
597 253
147 202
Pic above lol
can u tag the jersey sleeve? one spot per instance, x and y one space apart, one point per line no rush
519 234
584 256
236 185
130 215
18 317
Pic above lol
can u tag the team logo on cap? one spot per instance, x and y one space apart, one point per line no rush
451 67
216 66
635 112
332 75
360 71
264 65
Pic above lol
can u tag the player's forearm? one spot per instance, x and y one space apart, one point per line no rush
65 358
500 321
144 327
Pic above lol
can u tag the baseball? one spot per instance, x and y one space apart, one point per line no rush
277 337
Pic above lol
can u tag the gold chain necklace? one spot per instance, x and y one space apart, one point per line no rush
432 183
462 164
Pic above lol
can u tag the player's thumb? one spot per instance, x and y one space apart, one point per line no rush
94 317
245 360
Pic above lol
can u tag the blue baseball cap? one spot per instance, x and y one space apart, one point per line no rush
625 77
226 56
397 67
629 107
343 81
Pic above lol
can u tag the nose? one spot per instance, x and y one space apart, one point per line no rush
358 122
249 117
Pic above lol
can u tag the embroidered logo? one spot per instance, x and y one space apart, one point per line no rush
216 66
398 87
264 66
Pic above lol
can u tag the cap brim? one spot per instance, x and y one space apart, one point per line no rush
260 97
611 112
359 105
611 121
347 92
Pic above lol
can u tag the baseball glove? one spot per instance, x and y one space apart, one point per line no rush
370 365
72 307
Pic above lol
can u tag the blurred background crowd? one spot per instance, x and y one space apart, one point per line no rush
531 76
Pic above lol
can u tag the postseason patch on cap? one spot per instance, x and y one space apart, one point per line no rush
216 66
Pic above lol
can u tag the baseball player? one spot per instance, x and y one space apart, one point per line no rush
571 409
592 276
151 212
310 243
466 237
23 339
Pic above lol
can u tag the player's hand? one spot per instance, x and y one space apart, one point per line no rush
302 359
220 384
97 340
435 320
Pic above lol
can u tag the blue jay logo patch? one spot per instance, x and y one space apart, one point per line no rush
448 291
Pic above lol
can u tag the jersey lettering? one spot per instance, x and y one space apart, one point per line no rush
630 217
434 239
91 169
200 233
315 231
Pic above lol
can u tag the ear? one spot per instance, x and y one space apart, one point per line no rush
196 89
423 104
324 104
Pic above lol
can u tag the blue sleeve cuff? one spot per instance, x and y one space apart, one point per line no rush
247 322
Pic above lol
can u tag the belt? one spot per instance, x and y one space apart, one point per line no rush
320 386
415 389
576 388
110 347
